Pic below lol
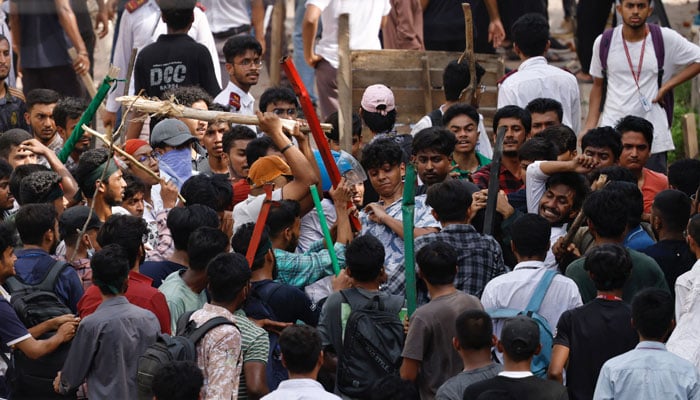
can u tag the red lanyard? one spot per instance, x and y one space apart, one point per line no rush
641 57
608 297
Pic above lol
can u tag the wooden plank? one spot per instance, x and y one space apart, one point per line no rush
427 97
690 135
277 29
344 80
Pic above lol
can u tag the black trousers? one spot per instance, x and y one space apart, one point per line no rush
591 16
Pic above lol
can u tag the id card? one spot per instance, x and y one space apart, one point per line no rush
646 105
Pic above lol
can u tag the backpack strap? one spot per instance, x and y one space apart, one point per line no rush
603 54
202 330
183 321
657 40
436 117
540 291
49 281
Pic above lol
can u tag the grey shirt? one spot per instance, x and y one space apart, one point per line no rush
106 349
454 388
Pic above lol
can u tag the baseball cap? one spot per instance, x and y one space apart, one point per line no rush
520 336
73 219
378 99
267 168
171 132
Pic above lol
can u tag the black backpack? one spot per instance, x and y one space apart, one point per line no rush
172 348
35 304
371 346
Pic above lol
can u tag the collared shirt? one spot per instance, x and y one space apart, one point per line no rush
393 244
466 174
12 109
535 78
301 269
480 258
647 372
219 355
139 293
180 297
687 291
300 389
240 102
506 180
514 290
104 349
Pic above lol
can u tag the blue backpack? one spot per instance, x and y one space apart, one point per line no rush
540 362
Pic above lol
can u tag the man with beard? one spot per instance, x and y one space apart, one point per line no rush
39 116
105 192
12 103
432 155
38 229
66 115
243 63
234 143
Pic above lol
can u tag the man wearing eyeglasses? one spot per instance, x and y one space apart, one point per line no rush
243 63
279 100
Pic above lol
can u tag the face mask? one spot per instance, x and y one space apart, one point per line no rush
91 250
177 164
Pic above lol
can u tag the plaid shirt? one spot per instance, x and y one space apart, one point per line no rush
479 257
507 181
303 269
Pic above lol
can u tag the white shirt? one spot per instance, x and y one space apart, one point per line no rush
226 14
141 28
535 78
483 144
249 209
300 389
687 290
310 230
685 339
622 97
514 290
365 21
246 100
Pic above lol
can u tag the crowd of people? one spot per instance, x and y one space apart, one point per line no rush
195 262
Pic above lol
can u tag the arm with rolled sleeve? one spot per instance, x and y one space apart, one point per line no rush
302 269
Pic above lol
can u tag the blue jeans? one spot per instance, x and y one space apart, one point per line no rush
305 71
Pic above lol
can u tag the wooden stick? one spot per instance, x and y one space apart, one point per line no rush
127 83
470 54
276 42
85 76
171 109
127 156
344 80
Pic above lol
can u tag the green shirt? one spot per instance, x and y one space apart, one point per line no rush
255 346
180 297
465 174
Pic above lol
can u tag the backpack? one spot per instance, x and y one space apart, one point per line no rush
172 348
659 51
35 304
372 345
257 307
540 362
436 117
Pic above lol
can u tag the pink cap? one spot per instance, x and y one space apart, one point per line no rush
378 99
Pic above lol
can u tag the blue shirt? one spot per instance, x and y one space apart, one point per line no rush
647 372
31 267
638 239
159 270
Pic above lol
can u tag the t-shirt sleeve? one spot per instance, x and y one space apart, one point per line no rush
563 333
424 218
678 51
418 335
596 69
12 331
259 347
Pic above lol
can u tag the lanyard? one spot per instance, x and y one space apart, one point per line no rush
641 57
608 297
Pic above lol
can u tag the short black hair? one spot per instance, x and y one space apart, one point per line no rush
694 228
450 199
40 187
41 96
276 94
178 380
457 76
177 14
537 149
257 148
134 185
516 112
241 241
238 45
542 105
562 136
652 313
474 330
238 132
21 172
460 109
364 258
334 134
377 122
89 161
33 221
5 169
530 33
607 212
127 231
301 347
12 137
188 95
214 192
203 244
673 207
613 173
68 107
575 182
634 200
110 269
530 236
434 138
632 123
610 266
684 175
437 262
183 220
603 137
282 216
381 151
228 274
7 237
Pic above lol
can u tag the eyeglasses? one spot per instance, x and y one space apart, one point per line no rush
143 157
248 63
282 111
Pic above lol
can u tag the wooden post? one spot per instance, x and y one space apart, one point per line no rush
344 80
276 42
690 135
427 86
471 56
